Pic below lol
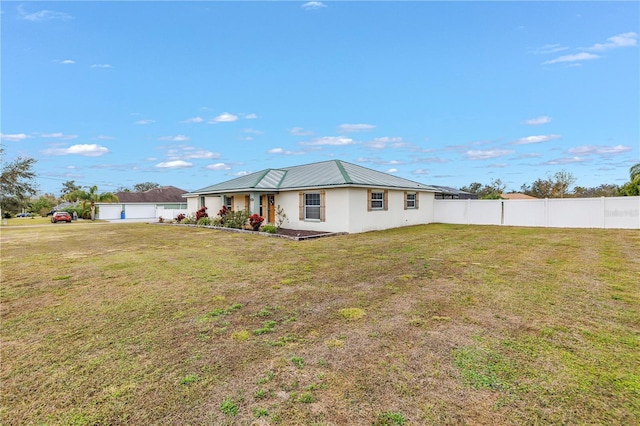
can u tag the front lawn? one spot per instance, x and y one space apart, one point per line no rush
436 324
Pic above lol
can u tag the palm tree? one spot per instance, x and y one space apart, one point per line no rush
92 197
633 186
634 172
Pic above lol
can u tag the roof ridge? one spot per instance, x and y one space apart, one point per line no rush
284 174
345 175
265 172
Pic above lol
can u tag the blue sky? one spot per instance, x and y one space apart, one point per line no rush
194 93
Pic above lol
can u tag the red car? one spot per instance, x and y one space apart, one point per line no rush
61 217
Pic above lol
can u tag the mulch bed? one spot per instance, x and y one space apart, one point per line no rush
292 234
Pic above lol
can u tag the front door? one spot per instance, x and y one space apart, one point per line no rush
271 202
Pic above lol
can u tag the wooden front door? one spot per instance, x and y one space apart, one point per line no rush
271 202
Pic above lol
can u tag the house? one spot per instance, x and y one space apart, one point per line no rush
448 193
330 196
166 201
517 196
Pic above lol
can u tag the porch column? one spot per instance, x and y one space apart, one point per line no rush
254 203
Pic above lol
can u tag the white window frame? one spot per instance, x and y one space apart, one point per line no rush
312 207
377 203
411 200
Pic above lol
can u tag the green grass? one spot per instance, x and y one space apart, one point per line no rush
146 324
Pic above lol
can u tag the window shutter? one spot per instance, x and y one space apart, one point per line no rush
417 200
322 209
301 206
405 200
246 203
368 200
233 203
386 200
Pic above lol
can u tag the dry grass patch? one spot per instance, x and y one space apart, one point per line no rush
145 324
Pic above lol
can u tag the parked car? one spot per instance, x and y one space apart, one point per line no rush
23 215
61 217
51 212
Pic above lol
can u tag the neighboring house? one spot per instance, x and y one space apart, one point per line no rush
448 193
164 201
517 196
332 196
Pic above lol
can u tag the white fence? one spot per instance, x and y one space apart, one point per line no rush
605 212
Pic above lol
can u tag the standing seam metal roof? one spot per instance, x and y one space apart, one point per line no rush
323 174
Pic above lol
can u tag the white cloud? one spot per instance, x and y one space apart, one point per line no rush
386 142
566 160
583 56
280 151
193 120
421 172
351 128
225 117
144 122
599 150
329 140
498 165
101 66
218 166
313 5
184 152
68 62
105 137
252 131
543 119
392 171
251 116
629 39
85 150
177 164
299 131
58 135
430 160
15 137
548 48
534 139
241 173
43 15
477 154
177 138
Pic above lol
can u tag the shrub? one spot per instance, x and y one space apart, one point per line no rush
204 221
188 220
202 212
272 229
236 219
180 217
255 220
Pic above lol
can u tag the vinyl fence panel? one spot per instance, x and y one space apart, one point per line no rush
610 212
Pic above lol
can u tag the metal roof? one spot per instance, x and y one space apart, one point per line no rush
325 174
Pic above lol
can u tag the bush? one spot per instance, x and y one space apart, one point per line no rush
272 229
236 219
189 220
255 220
202 212
180 217
204 221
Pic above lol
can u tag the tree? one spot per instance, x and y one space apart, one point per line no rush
492 191
17 183
603 190
68 187
91 197
556 186
633 186
145 186
43 204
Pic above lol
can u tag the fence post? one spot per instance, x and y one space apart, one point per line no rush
546 212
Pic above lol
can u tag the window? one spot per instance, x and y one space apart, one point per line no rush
410 201
227 202
312 206
377 200
202 201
